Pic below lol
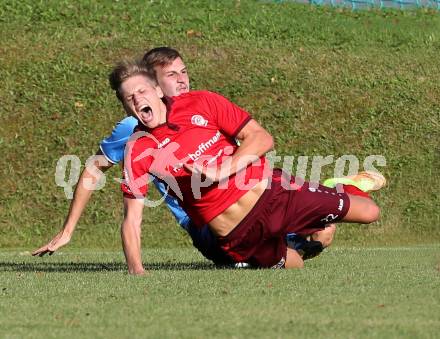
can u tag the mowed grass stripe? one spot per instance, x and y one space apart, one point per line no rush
343 293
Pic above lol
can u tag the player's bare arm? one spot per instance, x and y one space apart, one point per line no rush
84 189
131 235
254 140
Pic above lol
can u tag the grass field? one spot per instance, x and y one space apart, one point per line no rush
323 81
375 292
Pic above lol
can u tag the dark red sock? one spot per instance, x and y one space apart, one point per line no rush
350 189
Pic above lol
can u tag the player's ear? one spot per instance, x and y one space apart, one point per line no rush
159 92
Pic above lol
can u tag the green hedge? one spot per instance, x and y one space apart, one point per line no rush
324 81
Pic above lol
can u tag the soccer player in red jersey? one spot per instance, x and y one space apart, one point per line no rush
187 141
171 74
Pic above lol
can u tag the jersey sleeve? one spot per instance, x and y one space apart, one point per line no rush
136 170
113 146
229 117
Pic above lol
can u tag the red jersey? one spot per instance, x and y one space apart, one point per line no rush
201 127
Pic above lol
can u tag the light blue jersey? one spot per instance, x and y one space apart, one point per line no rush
113 149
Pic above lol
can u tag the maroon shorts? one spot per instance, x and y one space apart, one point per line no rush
285 207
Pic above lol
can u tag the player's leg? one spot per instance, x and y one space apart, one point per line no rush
314 208
314 244
293 259
326 236
362 208
131 235
366 182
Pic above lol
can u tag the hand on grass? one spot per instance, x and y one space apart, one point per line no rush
138 271
61 239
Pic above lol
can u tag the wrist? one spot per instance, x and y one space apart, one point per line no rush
68 229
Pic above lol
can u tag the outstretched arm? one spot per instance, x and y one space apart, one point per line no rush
83 191
131 235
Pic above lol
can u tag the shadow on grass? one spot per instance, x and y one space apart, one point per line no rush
97 267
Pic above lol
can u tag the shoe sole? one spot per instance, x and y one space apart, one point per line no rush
378 179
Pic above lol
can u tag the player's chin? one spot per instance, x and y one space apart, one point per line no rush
182 90
150 124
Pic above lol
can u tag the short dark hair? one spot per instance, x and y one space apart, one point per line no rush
160 56
126 69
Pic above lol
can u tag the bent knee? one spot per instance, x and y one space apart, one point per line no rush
327 241
371 213
325 236
293 259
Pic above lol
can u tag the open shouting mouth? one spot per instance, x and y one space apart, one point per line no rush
146 113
